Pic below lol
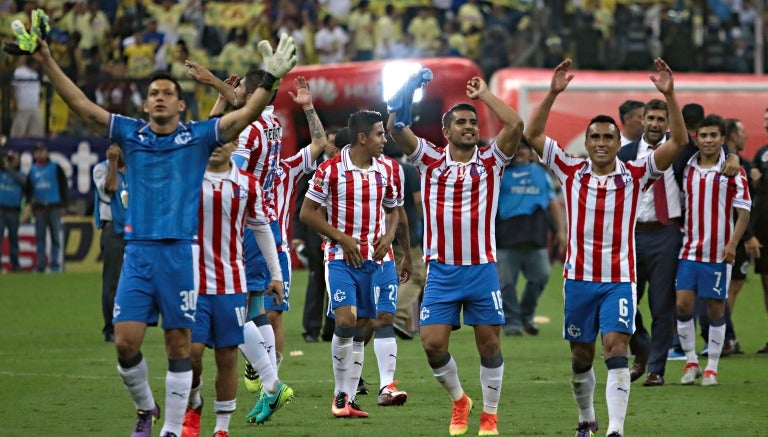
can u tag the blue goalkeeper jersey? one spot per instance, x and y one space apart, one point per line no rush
164 173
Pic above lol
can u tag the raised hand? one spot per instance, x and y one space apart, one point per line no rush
561 78
113 153
475 87
663 81
303 94
199 72
282 60
233 80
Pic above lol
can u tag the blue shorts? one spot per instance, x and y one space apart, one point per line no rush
158 278
449 288
256 271
351 286
385 286
592 306
219 320
707 280
285 266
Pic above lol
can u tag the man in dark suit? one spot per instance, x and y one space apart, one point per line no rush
658 240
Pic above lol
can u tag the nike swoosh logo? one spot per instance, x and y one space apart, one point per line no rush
273 405
520 174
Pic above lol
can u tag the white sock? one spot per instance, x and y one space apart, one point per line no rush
279 360
583 387
195 400
686 331
341 357
715 346
386 358
448 377
269 343
356 368
617 398
490 379
177 388
254 351
136 380
224 410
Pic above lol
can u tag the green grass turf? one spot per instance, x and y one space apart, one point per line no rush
58 377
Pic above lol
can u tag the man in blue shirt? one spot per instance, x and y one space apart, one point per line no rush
110 201
46 196
12 183
165 162
522 227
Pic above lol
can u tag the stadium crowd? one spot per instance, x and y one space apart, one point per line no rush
109 47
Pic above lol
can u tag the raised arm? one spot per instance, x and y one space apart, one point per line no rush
72 95
534 130
665 155
404 137
303 98
277 65
509 136
203 75
221 100
399 107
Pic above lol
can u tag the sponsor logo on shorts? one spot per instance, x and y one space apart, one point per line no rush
574 331
339 296
424 315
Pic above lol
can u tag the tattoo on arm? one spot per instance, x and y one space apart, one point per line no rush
315 127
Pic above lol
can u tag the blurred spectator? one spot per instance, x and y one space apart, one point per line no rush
425 31
494 50
405 48
631 117
470 15
387 32
289 24
457 44
12 182
46 193
331 41
360 25
188 85
140 57
554 53
168 15
237 56
117 94
27 121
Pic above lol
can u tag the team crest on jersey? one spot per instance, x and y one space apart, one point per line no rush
621 180
339 296
476 171
318 182
424 315
239 192
380 180
183 138
574 331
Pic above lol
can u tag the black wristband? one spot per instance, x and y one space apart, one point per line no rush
269 82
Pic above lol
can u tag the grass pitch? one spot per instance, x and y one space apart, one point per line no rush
58 376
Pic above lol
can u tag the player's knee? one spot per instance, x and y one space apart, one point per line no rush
386 318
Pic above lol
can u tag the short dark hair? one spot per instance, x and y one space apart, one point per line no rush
251 81
342 138
731 126
165 76
361 122
655 104
629 106
602 119
713 120
693 115
448 116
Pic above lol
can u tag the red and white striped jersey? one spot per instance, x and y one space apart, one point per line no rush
460 202
287 175
227 203
601 213
259 147
399 182
709 201
353 199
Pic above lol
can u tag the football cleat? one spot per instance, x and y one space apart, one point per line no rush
586 429
390 395
191 425
144 421
460 415
361 388
272 403
488 424
691 371
339 407
251 379
355 410
709 378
